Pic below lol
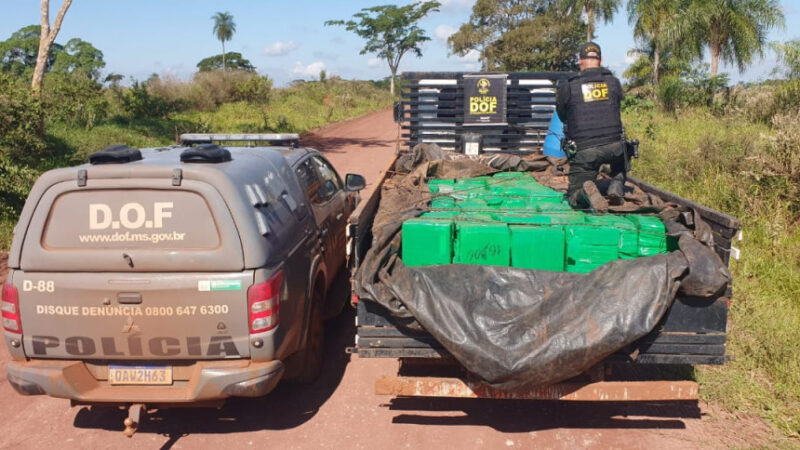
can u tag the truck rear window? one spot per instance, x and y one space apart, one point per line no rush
135 218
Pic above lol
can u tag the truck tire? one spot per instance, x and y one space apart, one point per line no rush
311 356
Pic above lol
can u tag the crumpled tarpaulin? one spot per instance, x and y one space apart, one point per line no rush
519 328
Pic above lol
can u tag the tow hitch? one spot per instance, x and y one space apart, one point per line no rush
135 413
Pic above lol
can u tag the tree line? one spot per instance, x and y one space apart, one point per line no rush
545 35
509 35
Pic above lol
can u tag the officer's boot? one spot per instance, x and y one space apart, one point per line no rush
616 194
597 202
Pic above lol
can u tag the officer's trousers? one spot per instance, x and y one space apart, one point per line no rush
585 165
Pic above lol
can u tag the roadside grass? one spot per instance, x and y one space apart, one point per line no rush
296 109
720 162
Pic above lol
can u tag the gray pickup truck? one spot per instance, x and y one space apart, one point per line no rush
185 274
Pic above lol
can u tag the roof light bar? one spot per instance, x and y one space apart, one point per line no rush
271 138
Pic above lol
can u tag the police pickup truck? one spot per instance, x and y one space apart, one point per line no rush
176 275
439 108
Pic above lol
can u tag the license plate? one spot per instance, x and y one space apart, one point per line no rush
140 375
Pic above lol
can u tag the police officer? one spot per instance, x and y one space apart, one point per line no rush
589 106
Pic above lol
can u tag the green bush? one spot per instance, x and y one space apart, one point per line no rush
256 89
637 103
210 89
671 94
16 181
74 99
20 122
787 97
694 87
138 102
761 103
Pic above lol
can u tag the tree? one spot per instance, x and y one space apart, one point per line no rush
735 30
789 57
113 79
518 35
654 24
223 30
233 60
18 53
602 9
46 39
390 31
79 57
640 72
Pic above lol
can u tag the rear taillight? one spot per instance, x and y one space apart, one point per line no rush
263 304
10 308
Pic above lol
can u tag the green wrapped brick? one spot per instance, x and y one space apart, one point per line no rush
629 233
440 186
590 246
567 218
494 201
472 204
652 234
538 247
482 243
481 217
441 215
470 185
514 203
553 207
443 202
526 219
427 242
588 258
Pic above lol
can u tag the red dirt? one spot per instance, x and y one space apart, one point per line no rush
340 409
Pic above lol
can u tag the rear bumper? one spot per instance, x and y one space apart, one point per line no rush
204 381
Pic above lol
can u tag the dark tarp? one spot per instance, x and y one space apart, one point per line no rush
521 328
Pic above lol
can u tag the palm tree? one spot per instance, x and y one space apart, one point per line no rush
223 30
640 72
735 30
654 24
602 9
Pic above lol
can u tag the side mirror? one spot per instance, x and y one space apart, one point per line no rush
354 182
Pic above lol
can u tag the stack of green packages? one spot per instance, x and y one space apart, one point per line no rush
511 220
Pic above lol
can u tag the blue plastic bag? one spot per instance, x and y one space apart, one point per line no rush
552 143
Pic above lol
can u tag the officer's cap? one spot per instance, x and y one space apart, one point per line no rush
590 50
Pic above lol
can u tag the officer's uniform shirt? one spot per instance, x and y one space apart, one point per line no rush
589 106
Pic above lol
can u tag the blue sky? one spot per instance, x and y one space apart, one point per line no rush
286 40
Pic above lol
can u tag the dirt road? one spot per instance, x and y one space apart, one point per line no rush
340 409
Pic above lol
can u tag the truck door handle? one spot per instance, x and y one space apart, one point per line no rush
129 298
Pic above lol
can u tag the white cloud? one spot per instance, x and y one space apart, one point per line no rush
374 62
308 71
442 32
456 5
279 48
471 56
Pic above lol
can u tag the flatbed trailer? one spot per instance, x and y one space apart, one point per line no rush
692 331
